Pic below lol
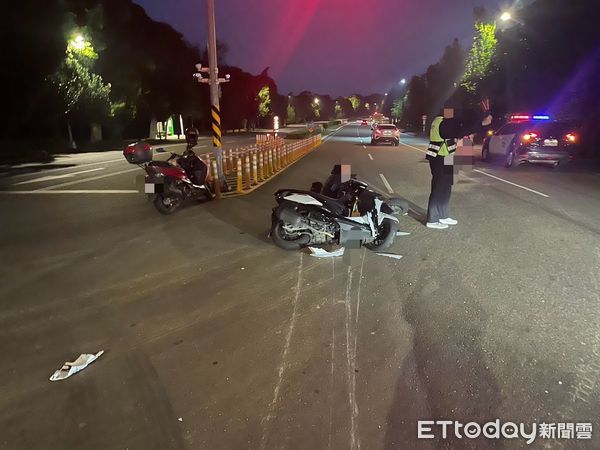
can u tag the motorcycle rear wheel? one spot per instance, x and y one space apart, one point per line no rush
285 241
385 237
167 204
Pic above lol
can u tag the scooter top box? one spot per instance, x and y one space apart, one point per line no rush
138 153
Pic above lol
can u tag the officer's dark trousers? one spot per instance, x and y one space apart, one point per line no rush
442 177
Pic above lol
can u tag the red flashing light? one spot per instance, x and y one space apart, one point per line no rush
571 137
530 136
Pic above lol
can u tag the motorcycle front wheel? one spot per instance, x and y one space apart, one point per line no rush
285 240
167 204
385 236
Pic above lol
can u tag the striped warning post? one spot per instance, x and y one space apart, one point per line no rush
216 126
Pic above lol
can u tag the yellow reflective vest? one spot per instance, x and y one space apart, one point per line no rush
438 145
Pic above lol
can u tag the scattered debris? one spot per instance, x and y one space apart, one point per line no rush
243 268
70 368
402 233
320 253
180 419
390 255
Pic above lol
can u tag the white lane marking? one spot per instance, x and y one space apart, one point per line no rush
85 180
57 177
493 176
370 157
510 182
80 191
386 184
72 166
284 359
364 146
412 146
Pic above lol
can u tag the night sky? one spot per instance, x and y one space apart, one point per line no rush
335 47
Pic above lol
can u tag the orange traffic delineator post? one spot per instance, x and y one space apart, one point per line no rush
230 160
254 168
216 180
240 186
206 161
261 168
247 172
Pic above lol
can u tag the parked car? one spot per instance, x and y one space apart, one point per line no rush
533 141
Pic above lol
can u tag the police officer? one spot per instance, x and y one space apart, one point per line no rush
445 130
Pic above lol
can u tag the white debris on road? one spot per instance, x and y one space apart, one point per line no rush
320 253
70 368
389 255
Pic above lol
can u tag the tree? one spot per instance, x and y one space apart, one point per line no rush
81 91
264 102
354 101
396 110
480 56
291 114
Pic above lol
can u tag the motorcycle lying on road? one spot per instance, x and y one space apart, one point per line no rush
169 183
342 213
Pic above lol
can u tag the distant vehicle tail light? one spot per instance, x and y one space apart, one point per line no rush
571 137
529 137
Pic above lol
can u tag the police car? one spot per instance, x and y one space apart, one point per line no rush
531 138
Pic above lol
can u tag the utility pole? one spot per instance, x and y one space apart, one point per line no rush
213 81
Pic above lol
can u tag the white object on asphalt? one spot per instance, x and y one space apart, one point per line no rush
437 225
449 221
70 368
389 255
320 253
402 233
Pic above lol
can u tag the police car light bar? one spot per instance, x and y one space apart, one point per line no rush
528 117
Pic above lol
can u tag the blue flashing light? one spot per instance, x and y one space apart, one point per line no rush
541 117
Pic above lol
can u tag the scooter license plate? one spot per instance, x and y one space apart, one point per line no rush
153 188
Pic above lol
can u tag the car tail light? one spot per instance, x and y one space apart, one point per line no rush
571 137
529 136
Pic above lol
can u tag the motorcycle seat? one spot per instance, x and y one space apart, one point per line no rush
330 203
160 164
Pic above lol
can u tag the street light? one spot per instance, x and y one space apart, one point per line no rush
78 42
506 16
317 101
403 81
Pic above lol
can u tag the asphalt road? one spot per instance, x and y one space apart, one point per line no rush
215 339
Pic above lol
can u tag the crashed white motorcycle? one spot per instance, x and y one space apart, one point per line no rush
350 215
